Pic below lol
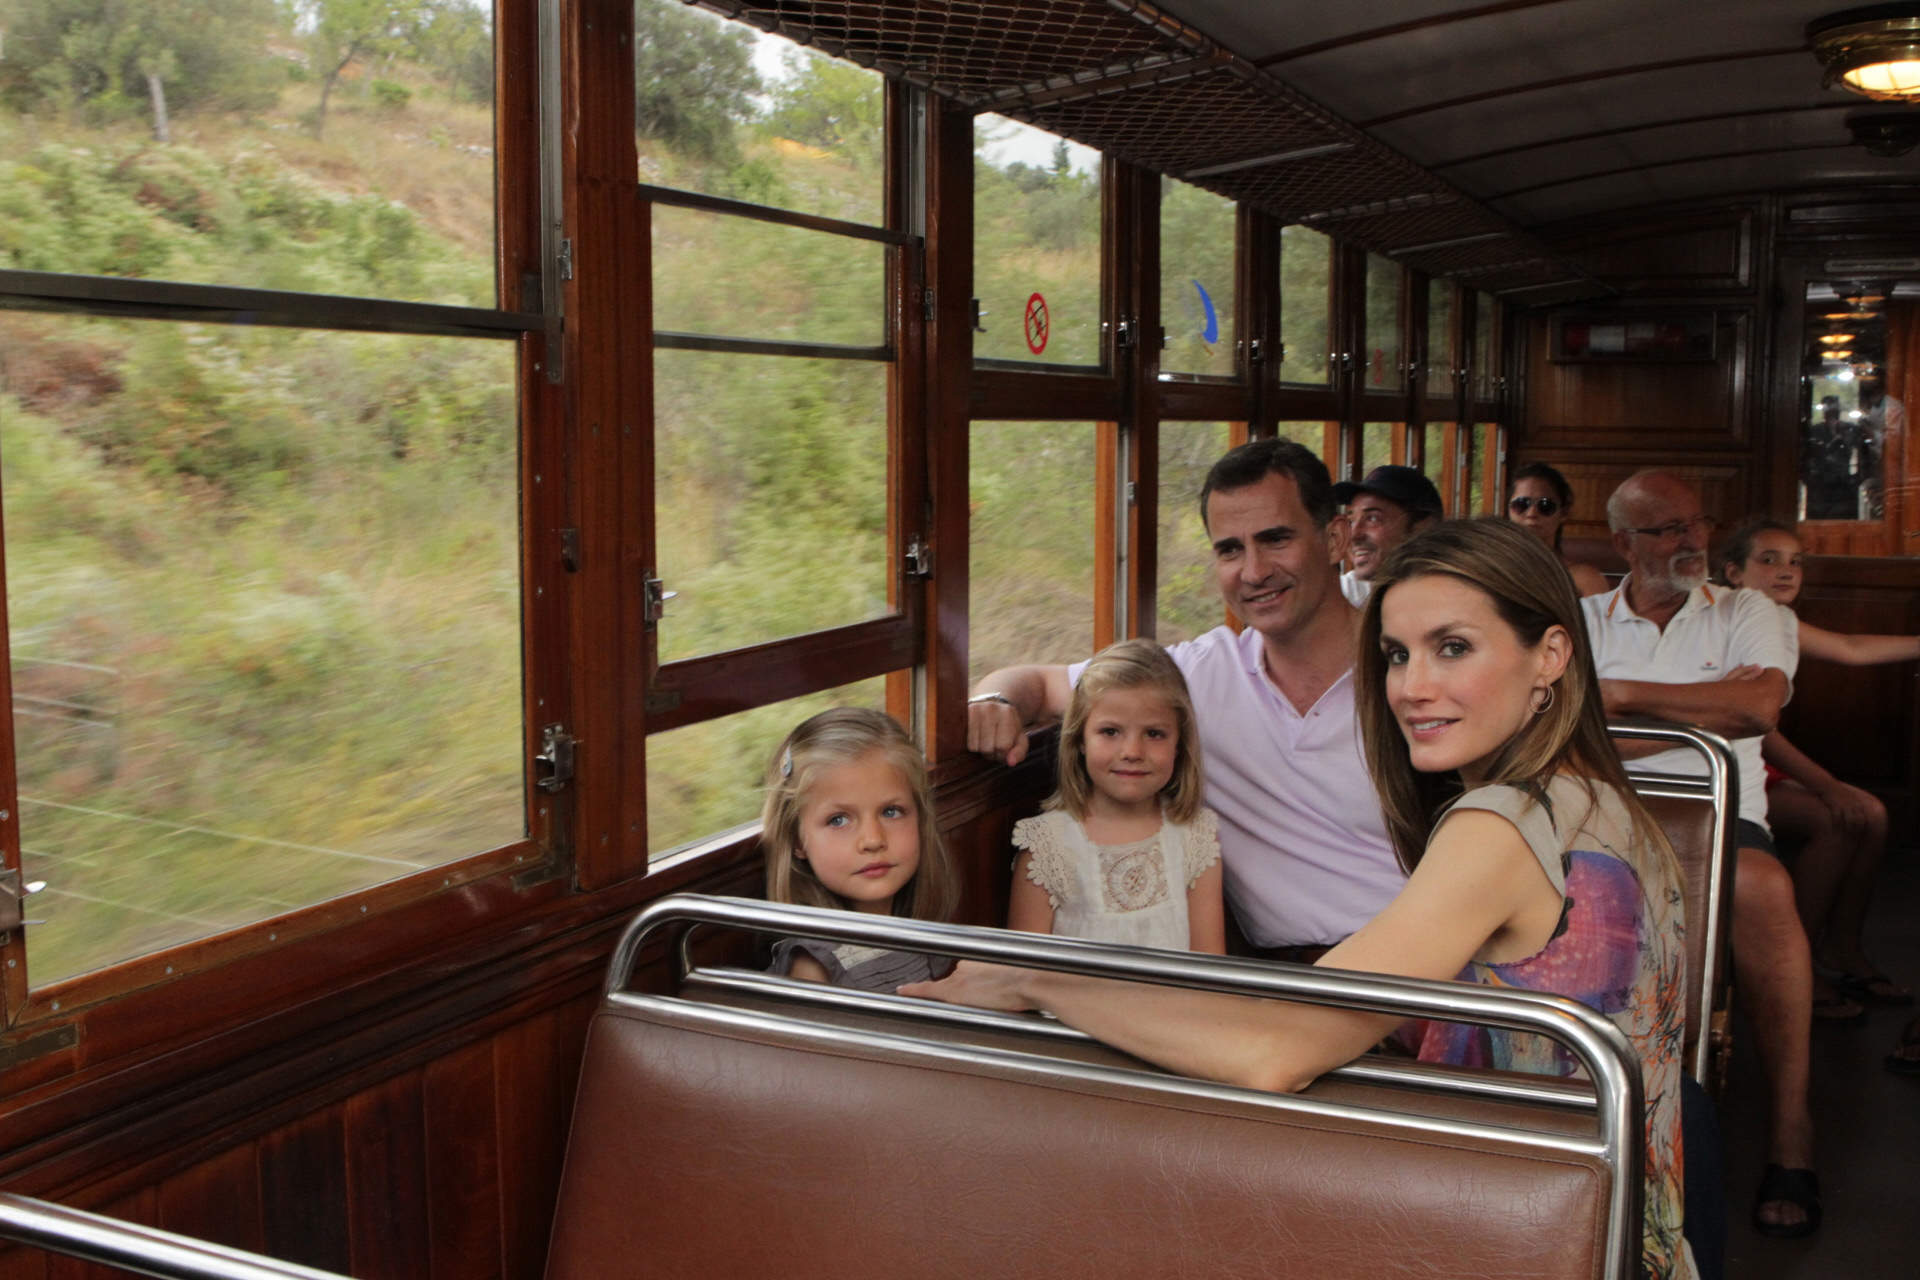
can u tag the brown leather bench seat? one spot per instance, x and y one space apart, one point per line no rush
748 1133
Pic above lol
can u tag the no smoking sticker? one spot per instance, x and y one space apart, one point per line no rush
1036 324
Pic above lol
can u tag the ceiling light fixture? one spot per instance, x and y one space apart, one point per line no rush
1836 339
1874 51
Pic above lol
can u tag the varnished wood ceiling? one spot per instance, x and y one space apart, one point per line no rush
1547 110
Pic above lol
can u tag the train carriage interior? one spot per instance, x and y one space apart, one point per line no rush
444 445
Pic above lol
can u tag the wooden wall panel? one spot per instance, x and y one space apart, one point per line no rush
1709 250
386 1178
1641 408
218 1200
303 1191
463 1166
536 1069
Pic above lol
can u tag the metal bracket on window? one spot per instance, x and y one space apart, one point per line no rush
1133 493
13 900
976 311
1163 337
1123 334
653 606
919 559
926 305
1255 351
555 758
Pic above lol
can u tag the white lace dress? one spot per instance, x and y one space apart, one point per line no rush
1132 893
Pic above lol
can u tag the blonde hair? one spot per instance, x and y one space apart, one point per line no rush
1532 593
1130 664
841 736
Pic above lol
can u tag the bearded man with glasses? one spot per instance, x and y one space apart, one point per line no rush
1668 645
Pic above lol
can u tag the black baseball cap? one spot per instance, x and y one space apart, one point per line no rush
1403 485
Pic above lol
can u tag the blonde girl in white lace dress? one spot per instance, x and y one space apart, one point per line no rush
1125 852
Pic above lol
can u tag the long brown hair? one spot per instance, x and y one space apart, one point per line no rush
1532 593
836 737
1130 664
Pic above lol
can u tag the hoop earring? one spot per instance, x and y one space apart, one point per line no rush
1543 699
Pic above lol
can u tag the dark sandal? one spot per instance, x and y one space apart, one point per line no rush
1873 988
1797 1187
1899 1063
1838 1007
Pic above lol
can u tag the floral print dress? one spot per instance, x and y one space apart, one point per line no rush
1620 950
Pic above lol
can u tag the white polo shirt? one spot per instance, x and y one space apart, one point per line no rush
1356 590
1716 630
1305 850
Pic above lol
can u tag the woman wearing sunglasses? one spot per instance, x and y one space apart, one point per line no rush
1539 503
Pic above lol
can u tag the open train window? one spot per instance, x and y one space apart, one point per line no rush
1197 274
1036 246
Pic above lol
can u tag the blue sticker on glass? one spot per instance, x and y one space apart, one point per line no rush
1211 334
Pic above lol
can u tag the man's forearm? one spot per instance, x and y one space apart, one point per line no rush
1734 708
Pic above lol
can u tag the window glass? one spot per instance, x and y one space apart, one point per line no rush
1306 281
771 496
706 778
727 110
147 141
1189 602
1376 444
1483 350
1384 278
1439 338
263 595
1434 461
737 277
1485 441
1031 544
1036 244
1196 280
1315 436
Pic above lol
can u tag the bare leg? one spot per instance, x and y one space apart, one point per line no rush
1843 943
1774 969
1822 864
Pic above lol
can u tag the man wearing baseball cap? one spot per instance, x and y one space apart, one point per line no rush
1383 511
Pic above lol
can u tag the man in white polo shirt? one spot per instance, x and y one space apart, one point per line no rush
1666 644
1305 849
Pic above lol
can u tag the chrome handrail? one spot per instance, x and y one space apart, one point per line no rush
1721 786
1601 1048
131 1247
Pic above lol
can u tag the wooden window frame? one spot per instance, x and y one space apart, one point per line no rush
229 987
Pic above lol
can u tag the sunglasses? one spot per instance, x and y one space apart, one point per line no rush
1545 506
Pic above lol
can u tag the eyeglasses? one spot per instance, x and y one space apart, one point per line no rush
1545 506
1674 530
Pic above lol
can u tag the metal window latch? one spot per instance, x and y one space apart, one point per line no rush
13 900
554 759
1123 333
1255 352
565 257
926 305
919 559
653 606
976 311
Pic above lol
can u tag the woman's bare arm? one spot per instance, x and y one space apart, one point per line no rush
1477 879
1856 651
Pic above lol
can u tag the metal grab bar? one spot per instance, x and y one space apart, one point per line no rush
1599 1045
1721 785
130 1247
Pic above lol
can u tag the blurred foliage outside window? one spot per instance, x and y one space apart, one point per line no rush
725 110
771 484
1439 338
1036 245
1483 353
1433 462
1306 283
741 278
705 779
1030 572
1313 435
1385 279
1376 444
1196 281
1188 602
1485 437
264 606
